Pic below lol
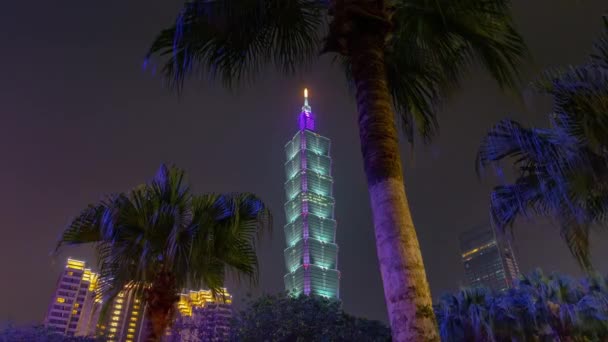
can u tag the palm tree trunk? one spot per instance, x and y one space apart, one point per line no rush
406 290
160 301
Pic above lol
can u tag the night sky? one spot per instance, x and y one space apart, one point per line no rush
80 118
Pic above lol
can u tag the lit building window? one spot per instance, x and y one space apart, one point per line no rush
60 300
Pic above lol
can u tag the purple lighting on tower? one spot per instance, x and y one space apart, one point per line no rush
307 121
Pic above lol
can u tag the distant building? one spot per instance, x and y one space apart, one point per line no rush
311 255
203 317
74 308
200 317
488 259
124 321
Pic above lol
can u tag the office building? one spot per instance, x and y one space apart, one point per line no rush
311 255
488 259
74 308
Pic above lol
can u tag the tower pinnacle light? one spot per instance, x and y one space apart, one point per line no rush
311 255
307 120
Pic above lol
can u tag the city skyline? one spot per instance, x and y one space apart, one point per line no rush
77 305
81 120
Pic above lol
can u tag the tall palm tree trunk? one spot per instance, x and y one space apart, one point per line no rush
160 305
406 290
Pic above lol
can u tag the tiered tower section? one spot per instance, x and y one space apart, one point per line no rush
311 255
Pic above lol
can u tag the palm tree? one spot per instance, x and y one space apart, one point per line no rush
401 56
160 238
537 308
561 172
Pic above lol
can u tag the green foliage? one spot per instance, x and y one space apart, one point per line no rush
303 318
561 172
37 333
234 40
430 47
161 228
537 308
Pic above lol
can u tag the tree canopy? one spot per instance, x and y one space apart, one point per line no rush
159 238
537 308
303 318
561 171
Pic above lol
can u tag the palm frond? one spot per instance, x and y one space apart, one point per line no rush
161 228
416 84
576 237
465 32
83 229
561 172
435 43
233 40
599 56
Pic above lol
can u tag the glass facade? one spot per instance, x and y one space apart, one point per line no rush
488 259
311 255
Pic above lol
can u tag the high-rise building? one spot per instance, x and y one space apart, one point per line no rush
488 259
74 307
76 311
124 321
203 317
311 255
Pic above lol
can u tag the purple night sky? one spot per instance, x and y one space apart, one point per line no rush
80 118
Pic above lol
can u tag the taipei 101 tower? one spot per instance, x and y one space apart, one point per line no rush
311 255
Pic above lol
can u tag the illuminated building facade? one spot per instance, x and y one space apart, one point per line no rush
488 259
124 321
311 255
202 317
74 309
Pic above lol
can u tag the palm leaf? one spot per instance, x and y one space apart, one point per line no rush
161 228
234 40
599 56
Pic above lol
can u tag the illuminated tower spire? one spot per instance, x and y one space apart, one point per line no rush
307 120
311 255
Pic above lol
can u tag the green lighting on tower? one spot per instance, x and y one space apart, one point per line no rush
310 233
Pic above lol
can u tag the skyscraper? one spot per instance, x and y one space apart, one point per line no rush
74 307
488 259
311 255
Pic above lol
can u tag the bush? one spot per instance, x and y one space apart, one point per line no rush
303 318
537 308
